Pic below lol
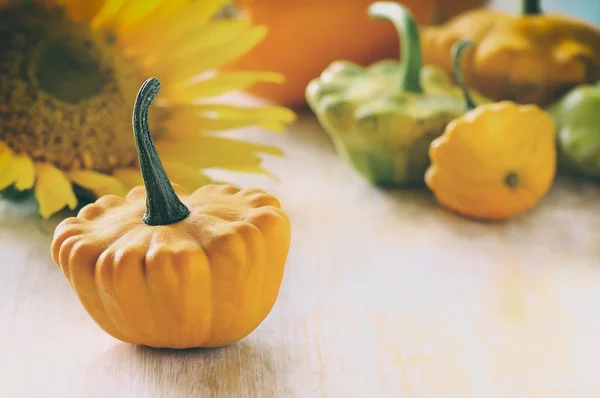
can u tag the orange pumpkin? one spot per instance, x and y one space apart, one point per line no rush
306 36
172 269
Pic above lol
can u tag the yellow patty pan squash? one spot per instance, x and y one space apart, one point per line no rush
164 268
528 58
382 118
496 161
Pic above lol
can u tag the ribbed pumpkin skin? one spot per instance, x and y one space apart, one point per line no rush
206 281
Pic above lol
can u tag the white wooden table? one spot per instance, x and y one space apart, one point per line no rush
384 295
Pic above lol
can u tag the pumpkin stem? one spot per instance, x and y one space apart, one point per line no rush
163 207
530 7
410 49
457 50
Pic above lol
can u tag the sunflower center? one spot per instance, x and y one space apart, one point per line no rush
67 91
68 72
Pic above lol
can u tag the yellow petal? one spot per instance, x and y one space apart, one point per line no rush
186 176
7 174
212 117
53 190
122 13
164 10
24 172
176 19
100 184
174 71
223 83
209 124
106 13
129 177
204 151
135 11
180 43
271 118
234 111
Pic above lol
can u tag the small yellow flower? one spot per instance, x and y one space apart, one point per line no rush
69 74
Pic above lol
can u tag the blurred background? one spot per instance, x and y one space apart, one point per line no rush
338 30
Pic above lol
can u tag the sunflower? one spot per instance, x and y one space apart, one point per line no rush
69 74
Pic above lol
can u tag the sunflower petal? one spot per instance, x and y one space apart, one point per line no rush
174 71
180 43
106 13
162 11
188 177
205 124
122 13
179 18
52 190
130 177
204 151
234 111
135 11
7 174
269 117
100 184
24 172
219 84
217 117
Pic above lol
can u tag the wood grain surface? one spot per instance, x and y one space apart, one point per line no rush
384 295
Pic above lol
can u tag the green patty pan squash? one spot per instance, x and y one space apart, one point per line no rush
382 118
577 116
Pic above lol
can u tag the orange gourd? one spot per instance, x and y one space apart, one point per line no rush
164 268
529 58
306 36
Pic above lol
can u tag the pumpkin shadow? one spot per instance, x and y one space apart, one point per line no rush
413 195
21 225
21 217
417 203
241 369
564 172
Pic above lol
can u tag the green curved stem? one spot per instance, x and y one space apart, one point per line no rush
163 207
457 50
589 67
530 7
408 31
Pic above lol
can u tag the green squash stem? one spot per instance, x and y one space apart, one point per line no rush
163 207
410 50
530 7
457 50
